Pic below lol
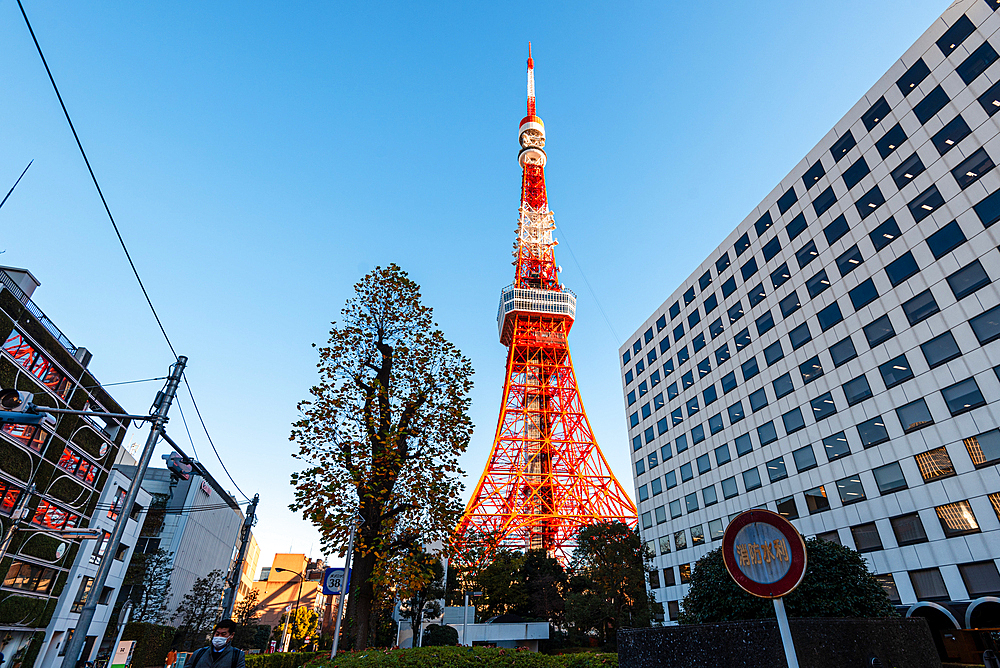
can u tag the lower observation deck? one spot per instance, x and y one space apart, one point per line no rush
556 304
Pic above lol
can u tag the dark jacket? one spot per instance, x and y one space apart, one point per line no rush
206 658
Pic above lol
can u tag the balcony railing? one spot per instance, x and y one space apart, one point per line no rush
533 300
18 293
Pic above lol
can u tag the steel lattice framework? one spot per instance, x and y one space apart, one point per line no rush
546 476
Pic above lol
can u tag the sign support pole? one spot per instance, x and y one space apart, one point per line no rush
344 586
786 633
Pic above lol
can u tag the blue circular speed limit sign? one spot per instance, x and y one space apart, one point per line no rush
333 581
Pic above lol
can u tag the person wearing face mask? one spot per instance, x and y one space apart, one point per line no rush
221 653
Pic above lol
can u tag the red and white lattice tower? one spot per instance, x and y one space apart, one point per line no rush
546 476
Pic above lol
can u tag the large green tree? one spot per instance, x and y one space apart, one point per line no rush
608 583
837 583
424 601
381 435
530 584
199 609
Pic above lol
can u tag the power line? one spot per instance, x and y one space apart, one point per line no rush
597 301
209 437
124 382
184 420
93 177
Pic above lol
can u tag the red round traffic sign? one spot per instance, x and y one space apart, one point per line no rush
764 553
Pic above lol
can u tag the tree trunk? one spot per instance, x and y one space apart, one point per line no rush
364 596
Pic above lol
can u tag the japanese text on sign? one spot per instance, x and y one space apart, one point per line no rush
762 553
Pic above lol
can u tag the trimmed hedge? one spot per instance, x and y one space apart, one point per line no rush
153 642
459 657
283 659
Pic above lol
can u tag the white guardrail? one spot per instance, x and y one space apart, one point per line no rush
534 300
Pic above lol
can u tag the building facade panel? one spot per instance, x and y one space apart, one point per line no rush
834 359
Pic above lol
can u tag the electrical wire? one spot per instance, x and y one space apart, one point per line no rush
93 177
184 420
124 382
597 301
209 437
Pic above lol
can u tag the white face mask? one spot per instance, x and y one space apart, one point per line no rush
218 642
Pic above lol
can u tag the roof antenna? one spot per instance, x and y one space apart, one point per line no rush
15 184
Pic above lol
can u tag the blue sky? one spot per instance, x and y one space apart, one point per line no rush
260 158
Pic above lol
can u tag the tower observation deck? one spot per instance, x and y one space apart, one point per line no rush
546 477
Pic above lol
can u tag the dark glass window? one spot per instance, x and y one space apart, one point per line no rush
698 434
664 344
955 35
710 394
627 357
811 369
914 415
968 279
773 353
676 416
983 449
843 351
895 371
949 136
687 380
716 328
856 172
836 229
776 469
823 406
986 326
668 368
850 260
963 396
704 368
879 331
835 446
675 310
940 349
689 296
796 226
842 146
767 433
890 141
850 489
742 244
913 76
920 307
682 445
729 382
637 346
925 203
683 355
866 538
804 458
765 322
931 104
869 202
865 293
908 529
782 385
749 268
976 63
816 500
651 356
908 170
988 209
824 201
629 377
806 254
705 280
742 339
901 268
818 283
722 353
884 234
729 489
646 411
829 316
973 167
661 323
789 304
875 114
743 445
779 276
750 368
687 472
816 172
756 295
722 263
661 429
763 223
800 336
857 390
990 100
786 201
715 424
694 317
704 464
786 508
678 333
758 400
793 420
735 312
736 412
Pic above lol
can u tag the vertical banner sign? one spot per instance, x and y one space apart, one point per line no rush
766 556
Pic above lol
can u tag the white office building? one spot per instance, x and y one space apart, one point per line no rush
835 359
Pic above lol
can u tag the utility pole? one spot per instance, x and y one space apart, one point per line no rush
159 417
237 574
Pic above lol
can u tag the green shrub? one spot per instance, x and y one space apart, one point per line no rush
436 635
459 657
153 642
283 659
20 610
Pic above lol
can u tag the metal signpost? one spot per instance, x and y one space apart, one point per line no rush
344 590
766 556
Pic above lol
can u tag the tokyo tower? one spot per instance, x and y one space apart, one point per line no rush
546 477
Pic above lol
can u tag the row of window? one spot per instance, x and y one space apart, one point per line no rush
965 174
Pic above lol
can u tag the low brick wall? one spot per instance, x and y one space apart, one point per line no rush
819 643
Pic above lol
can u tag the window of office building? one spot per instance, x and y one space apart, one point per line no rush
843 351
908 529
793 421
968 280
782 385
879 331
981 578
928 584
823 406
804 458
816 500
889 478
851 489
914 415
963 396
776 469
801 335
925 203
862 295
710 496
817 283
890 141
857 390
697 535
767 433
949 136
866 538
986 326
889 585
895 371
831 315
873 432
787 509
835 446
932 103
816 172
811 369
957 519
751 479
984 449
764 323
729 489
743 444
935 464
908 170
856 172
876 113
972 168
680 543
